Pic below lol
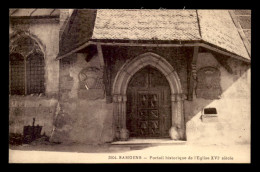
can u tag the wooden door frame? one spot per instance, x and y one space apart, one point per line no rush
120 85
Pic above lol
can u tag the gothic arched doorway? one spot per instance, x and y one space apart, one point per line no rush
148 107
119 91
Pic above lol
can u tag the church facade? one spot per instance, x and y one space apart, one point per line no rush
100 76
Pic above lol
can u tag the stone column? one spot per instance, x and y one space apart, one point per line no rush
177 130
181 124
119 111
174 109
116 117
124 134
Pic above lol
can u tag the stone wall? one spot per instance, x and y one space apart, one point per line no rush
232 124
87 120
81 117
22 109
48 34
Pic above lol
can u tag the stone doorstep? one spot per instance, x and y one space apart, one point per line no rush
136 142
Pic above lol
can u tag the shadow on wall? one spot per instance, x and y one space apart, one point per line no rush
232 99
84 116
91 121
231 124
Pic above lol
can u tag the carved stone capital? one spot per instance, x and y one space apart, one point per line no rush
115 99
119 98
178 97
184 96
173 97
124 98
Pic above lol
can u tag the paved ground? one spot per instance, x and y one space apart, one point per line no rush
142 153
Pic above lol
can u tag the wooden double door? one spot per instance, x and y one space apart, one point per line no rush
148 105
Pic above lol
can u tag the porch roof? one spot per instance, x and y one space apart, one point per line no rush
213 27
146 25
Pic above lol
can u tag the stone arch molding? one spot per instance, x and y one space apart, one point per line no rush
16 35
120 85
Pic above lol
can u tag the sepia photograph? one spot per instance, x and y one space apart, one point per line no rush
129 86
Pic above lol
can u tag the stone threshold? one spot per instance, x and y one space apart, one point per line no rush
135 141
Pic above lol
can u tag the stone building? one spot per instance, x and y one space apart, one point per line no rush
97 76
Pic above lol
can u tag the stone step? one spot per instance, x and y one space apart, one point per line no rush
142 142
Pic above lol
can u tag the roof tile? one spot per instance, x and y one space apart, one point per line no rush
218 28
146 24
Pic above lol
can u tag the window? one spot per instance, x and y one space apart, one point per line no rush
17 74
26 70
210 111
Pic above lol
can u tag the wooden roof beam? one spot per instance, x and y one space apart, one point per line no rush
157 45
192 72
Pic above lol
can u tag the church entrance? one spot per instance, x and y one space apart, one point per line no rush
147 99
148 108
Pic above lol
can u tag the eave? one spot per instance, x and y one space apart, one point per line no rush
133 43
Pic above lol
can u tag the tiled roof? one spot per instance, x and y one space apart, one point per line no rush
146 24
212 26
218 28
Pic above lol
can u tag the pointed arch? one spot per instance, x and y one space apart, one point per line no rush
120 85
27 76
134 65
19 35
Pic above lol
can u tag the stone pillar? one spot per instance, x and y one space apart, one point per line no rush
177 130
123 131
123 116
181 122
119 102
116 117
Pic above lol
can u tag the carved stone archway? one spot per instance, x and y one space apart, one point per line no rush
38 46
119 89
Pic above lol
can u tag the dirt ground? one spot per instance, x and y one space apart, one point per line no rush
108 153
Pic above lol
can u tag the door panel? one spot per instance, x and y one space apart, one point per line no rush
148 105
